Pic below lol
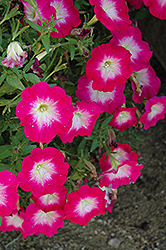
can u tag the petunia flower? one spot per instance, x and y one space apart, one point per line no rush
132 41
8 192
13 222
119 167
15 55
43 7
37 221
124 118
108 101
157 8
68 16
42 168
109 197
108 66
84 204
84 118
136 3
149 84
44 111
155 110
50 197
112 14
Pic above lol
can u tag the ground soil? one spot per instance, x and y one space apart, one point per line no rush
138 220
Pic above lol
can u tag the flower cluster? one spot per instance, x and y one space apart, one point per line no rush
49 115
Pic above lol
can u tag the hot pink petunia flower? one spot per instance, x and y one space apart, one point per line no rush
109 66
108 101
136 3
15 56
49 198
37 221
149 84
13 222
124 118
155 110
85 116
157 8
42 168
119 167
8 192
68 16
132 41
43 7
112 14
84 204
44 111
108 197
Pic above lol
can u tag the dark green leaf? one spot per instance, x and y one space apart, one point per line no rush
46 42
72 51
106 121
81 146
5 151
34 25
30 77
13 81
94 145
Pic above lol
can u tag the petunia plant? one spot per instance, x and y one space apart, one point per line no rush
74 76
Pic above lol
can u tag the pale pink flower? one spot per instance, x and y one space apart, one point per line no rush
43 7
8 192
132 41
112 14
157 8
44 111
83 204
84 119
124 118
155 110
149 84
67 14
42 168
108 66
37 221
108 101
15 55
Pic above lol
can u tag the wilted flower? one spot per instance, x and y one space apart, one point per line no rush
15 55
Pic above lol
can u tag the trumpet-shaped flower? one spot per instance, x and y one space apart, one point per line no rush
149 84
49 198
84 118
123 118
132 41
108 101
8 192
43 7
68 16
44 111
155 110
84 204
108 66
157 8
37 221
112 14
119 167
15 56
13 222
42 168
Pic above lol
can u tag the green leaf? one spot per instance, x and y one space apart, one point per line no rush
106 121
13 81
46 42
72 40
28 66
5 151
0 220
34 25
28 149
0 36
6 89
94 145
30 77
72 51
4 167
81 146
2 78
